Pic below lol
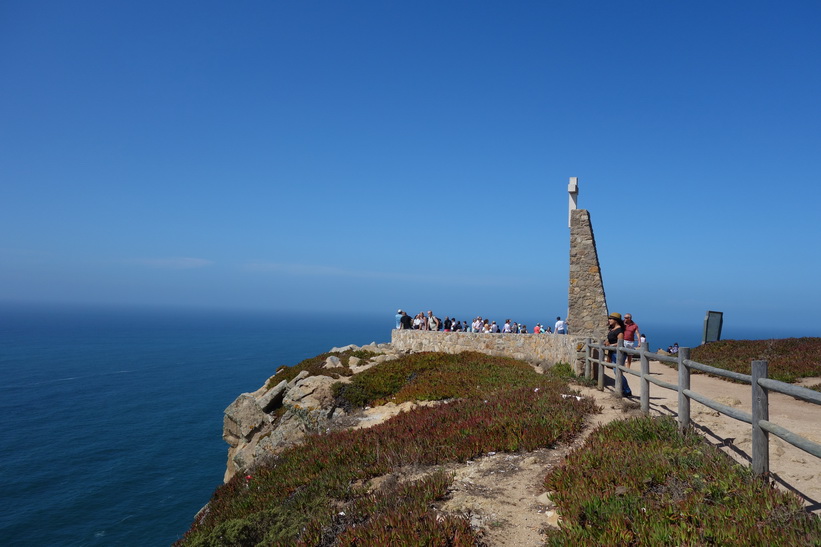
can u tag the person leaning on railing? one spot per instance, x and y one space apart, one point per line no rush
615 332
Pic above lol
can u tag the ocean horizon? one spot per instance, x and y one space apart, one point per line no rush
113 416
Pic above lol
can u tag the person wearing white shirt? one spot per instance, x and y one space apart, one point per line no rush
477 324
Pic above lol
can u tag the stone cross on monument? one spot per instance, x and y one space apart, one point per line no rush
573 190
586 302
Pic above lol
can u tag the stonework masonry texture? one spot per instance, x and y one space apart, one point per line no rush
540 349
587 304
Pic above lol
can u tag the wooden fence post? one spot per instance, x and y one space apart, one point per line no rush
600 384
683 383
588 366
761 411
645 383
617 371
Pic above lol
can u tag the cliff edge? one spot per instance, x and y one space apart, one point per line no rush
284 409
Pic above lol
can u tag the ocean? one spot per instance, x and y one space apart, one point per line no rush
112 417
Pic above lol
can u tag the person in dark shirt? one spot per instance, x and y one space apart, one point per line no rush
615 332
405 321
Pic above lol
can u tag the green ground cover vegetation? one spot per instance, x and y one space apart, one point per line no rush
634 482
788 359
640 482
316 493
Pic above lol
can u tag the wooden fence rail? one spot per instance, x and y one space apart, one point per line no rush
598 353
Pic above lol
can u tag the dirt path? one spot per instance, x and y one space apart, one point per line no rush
503 494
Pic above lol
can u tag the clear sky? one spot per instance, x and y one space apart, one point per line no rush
370 155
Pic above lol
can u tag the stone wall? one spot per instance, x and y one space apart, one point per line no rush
586 302
542 349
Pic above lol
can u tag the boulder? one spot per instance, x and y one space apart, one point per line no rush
240 460
291 428
332 362
272 399
243 417
310 392
300 376
343 349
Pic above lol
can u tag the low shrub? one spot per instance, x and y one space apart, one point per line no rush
640 482
394 515
436 377
565 372
788 359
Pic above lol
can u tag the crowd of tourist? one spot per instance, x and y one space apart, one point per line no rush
429 321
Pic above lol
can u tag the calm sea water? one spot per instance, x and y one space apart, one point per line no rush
112 418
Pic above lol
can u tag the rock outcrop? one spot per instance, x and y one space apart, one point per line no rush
279 414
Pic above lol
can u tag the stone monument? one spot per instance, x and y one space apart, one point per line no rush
586 302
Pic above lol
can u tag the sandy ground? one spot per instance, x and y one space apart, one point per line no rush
504 497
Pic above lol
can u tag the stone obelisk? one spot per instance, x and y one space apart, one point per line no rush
586 303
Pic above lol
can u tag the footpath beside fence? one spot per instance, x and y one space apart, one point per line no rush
598 355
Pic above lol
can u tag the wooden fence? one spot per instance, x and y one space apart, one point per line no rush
758 380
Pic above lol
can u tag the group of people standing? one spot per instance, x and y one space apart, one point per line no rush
429 321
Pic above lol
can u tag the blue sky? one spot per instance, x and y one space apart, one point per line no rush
363 156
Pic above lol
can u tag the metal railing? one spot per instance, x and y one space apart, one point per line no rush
758 380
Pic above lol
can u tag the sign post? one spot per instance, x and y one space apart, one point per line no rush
712 327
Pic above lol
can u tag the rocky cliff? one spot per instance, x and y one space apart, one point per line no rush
284 410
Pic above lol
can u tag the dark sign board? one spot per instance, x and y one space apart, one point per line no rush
712 327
